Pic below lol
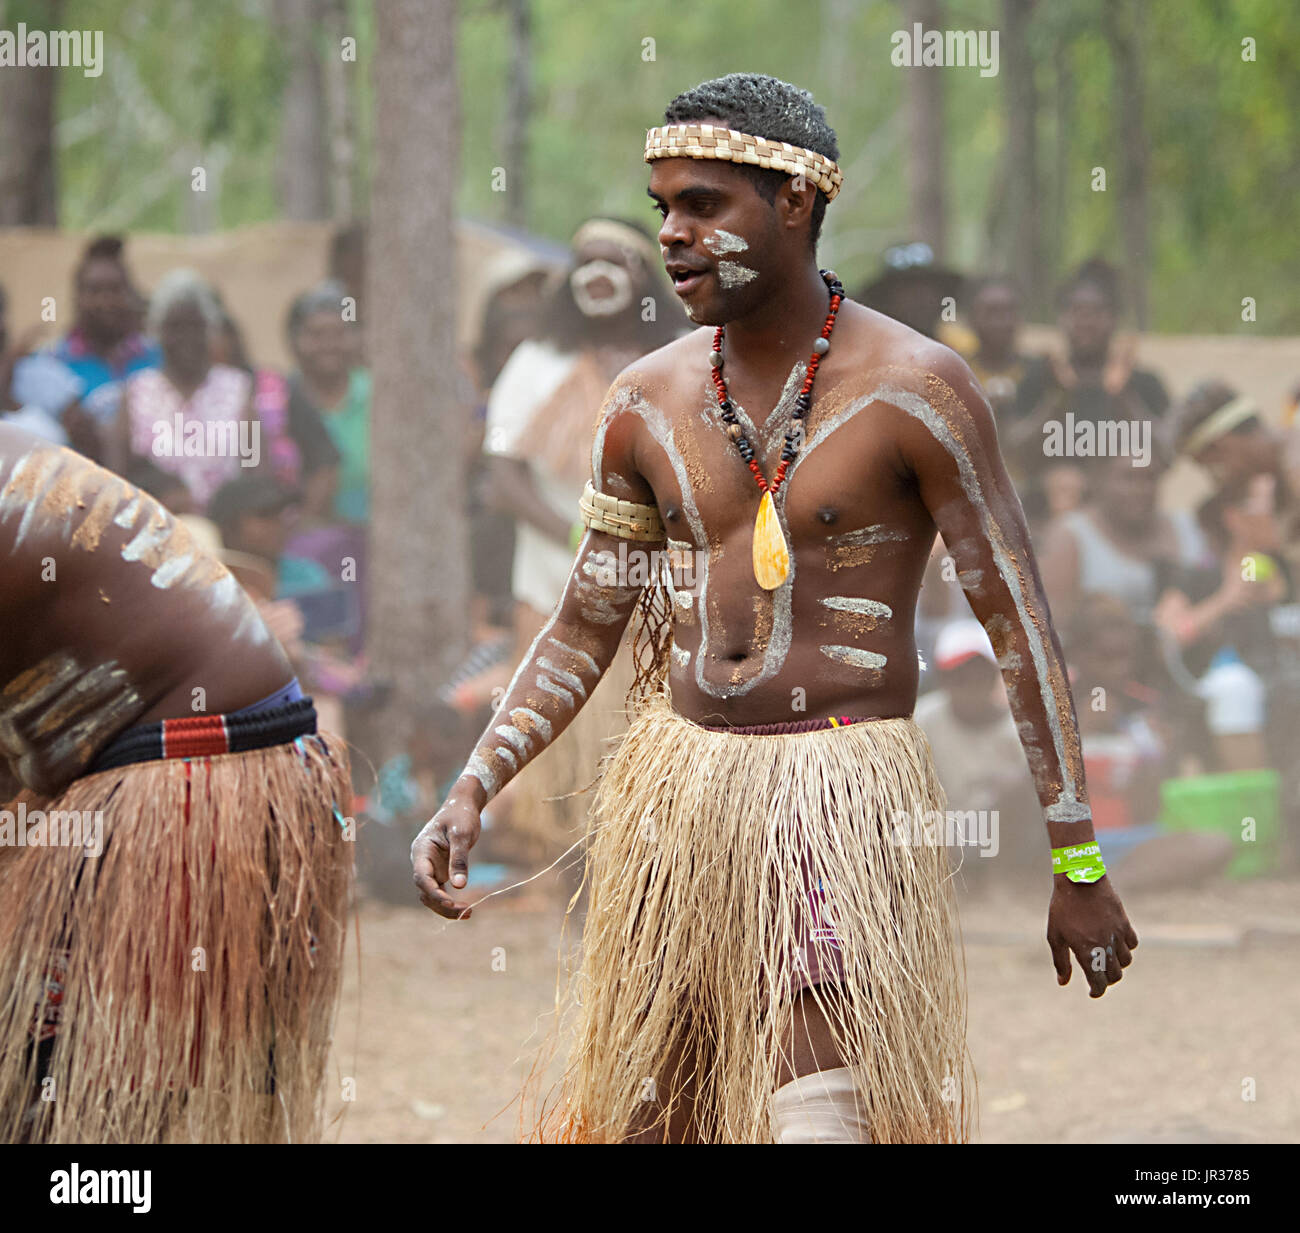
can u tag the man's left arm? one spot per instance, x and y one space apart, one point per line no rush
950 445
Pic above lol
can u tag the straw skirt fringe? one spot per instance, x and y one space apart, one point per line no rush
549 805
706 850
199 955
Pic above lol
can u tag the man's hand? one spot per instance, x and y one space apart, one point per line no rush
1088 919
440 854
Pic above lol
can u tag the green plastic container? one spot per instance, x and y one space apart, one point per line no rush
1222 803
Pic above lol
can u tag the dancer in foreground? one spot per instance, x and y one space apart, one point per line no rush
174 874
769 950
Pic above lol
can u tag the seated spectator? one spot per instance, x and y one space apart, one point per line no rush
1096 380
1226 433
312 615
997 363
978 754
1126 753
34 388
191 417
1119 543
1215 621
105 346
912 288
327 390
281 453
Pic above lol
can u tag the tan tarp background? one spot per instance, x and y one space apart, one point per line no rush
257 269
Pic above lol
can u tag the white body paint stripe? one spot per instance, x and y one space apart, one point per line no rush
569 679
854 657
513 737
851 603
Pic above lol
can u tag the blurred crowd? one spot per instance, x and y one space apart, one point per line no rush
1180 622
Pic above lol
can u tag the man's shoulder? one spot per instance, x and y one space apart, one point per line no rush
896 357
664 364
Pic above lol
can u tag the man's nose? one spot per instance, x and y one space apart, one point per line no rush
673 232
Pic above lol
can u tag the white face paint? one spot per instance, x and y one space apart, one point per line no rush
721 242
733 274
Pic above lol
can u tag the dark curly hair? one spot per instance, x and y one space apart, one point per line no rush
766 107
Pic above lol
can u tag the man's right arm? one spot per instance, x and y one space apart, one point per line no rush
557 676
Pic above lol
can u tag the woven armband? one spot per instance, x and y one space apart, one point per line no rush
625 519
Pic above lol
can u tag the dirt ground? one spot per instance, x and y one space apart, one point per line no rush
1196 1044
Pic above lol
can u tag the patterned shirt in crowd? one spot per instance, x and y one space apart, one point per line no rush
221 399
104 379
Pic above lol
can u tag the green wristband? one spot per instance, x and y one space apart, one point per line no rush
1080 862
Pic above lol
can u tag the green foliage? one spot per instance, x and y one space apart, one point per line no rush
198 83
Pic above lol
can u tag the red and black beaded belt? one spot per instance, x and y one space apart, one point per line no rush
204 736
790 728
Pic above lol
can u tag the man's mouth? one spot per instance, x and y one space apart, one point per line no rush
687 279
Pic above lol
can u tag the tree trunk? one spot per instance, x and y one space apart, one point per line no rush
342 119
1021 249
1063 106
927 194
419 572
302 168
1123 33
519 106
28 187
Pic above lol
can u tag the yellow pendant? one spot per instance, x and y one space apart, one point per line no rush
771 556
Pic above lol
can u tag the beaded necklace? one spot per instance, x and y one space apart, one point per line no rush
771 555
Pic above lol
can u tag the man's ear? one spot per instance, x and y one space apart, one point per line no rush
795 201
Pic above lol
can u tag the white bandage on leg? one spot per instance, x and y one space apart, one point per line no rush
822 1107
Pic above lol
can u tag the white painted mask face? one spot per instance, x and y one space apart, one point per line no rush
589 272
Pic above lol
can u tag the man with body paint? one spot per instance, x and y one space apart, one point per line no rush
180 984
762 959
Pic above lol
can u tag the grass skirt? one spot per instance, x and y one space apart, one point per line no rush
705 849
198 956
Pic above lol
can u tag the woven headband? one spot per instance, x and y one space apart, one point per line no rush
709 141
1224 420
